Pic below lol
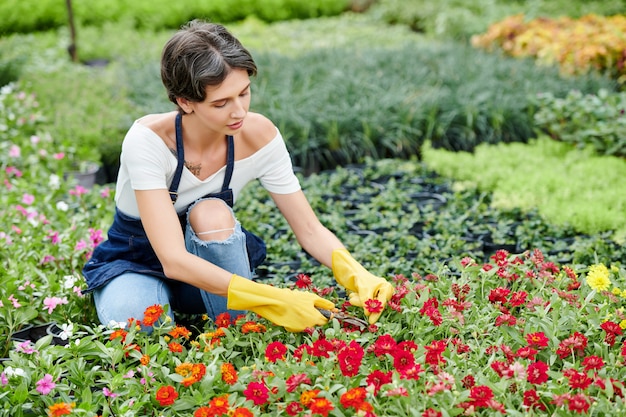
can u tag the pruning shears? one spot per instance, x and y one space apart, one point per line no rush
344 318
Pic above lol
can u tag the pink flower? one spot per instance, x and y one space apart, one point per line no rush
108 393
80 245
45 384
26 347
15 151
58 155
52 302
397 392
28 199
295 380
78 190
13 300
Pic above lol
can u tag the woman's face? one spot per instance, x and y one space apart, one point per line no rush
226 105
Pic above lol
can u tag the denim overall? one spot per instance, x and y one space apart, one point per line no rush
128 252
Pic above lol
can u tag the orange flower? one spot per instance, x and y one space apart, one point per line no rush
321 406
203 411
180 331
145 360
222 320
308 396
152 314
60 409
242 412
121 333
229 374
219 405
252 327
184 369
166 395
192 373
175 347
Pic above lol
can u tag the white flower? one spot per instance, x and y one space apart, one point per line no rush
54 182
62 206
66 331
116 324
10 372
69 281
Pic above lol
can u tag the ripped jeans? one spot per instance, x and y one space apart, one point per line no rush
129 294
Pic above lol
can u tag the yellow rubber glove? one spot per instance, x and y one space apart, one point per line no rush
364 285
292 309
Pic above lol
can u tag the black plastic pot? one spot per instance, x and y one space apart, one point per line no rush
39 331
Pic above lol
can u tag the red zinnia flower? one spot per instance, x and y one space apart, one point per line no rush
578 403
383 345
468 381
481 395
303 281
532 400
593 362
293 408
518 298
434 352
577 379
506 320
373 306
612 331
538 340
275 351
350 358
526 352
223 319
257 392
537 372
378 378
575 344
166 395
402 360
294 381
322 348
499 295
431 412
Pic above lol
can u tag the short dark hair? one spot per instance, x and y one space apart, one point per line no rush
201 54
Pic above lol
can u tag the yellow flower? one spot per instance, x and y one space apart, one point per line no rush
598 277
616 291
622 324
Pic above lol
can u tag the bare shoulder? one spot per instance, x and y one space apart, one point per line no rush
258 131
162 124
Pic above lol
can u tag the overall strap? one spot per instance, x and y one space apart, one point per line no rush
180 154
230 162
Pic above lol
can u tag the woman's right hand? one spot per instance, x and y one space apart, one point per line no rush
292 309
